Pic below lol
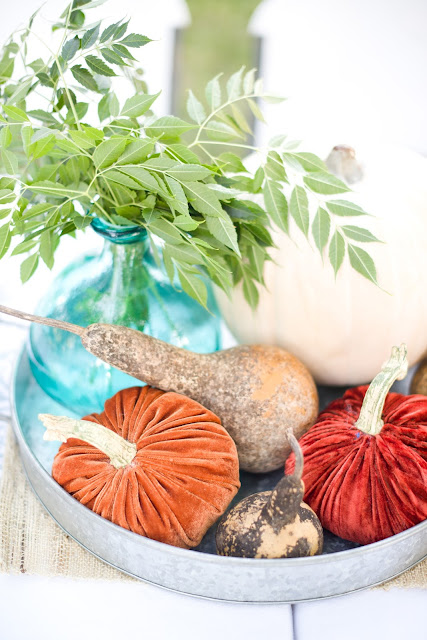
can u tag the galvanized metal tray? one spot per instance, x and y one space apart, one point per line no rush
344 567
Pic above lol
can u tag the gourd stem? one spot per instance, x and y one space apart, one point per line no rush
50 322
120 451
299 458
396 368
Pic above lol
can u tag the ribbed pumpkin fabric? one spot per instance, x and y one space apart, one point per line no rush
183 477
366 488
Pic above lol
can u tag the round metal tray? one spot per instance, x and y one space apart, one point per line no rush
343 567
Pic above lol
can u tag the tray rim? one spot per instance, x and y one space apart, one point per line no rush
202 557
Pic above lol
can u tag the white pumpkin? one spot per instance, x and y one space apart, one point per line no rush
343 329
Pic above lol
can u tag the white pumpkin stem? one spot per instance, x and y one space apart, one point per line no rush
396 368
342 162
120 451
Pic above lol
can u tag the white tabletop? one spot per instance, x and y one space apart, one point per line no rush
43 608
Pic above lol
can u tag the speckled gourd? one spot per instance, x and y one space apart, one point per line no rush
272 524
258 392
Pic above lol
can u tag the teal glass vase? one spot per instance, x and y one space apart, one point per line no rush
123 285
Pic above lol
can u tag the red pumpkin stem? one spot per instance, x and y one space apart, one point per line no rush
396 368
120 451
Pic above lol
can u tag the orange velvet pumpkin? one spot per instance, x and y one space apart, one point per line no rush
182 478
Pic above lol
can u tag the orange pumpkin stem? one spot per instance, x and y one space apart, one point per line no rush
121 452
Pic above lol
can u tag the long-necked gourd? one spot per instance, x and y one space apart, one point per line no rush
257 391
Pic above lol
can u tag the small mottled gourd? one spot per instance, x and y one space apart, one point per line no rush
257 391
272 524
156 463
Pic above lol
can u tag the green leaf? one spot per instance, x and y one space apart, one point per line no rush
222 228
276 204
108 152
47 248
121 178
202 199
137 105
6 196
81 139
220 131
213 93
195 108
167 127
110 31
112 56
344 208
177 201
298 208
240 120
359 234
54 189
26 135
336 251
5 238
362 262
98 66
10 161
144 177
29 266
122 51
250 290
258 179
256 110
5 137
257 255
189 172
249 82
165 230
321 229
192 285
325 183
70 48
274 168
234 85
15 114
104 107
84 77
45 80
135 40
184 253
232 162
183 153
90 37
307 161
137 151
44 116
186 223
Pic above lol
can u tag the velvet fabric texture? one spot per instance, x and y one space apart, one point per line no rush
365 488
183 477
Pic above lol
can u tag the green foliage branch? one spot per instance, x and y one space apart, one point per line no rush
172 177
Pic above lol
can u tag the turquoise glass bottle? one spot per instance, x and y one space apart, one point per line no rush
121 285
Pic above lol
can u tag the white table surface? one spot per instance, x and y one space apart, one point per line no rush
56 608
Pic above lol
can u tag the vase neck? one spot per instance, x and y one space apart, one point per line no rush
121 235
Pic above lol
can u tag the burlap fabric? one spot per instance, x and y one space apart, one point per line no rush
31 542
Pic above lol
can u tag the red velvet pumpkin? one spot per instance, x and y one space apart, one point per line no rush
366 477
170 475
